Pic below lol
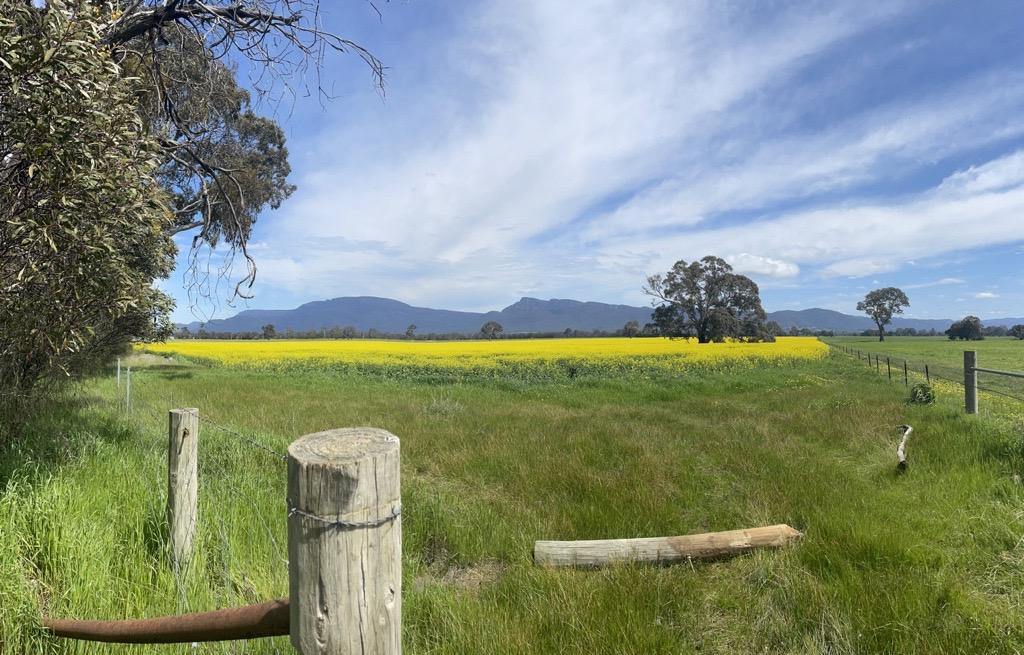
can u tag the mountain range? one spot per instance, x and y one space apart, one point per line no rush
526 315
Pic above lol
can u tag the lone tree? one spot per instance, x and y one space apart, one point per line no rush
969 328
1017 331
410 331
881 305
268 331
707 300
631 329
491 329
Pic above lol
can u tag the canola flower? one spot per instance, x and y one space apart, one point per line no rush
516 357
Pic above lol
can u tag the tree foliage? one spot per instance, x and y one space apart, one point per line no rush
491 329
83 221
969 328
631 329
707 300
1017 331
881 305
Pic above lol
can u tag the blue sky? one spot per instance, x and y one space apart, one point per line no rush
568 150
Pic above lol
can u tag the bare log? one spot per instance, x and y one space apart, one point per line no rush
901 450
268 619
662 550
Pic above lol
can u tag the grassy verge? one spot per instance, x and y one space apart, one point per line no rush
929 561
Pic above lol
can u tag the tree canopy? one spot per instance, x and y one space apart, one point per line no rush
122 125
1017 331
83 220
969 328
707 300
881 305
491 329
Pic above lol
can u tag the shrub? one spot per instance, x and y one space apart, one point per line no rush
922 394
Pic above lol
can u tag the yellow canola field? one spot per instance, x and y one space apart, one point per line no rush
599 353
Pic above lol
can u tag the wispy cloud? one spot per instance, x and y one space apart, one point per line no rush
985 295
570 149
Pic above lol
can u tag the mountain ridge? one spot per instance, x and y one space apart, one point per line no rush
525 315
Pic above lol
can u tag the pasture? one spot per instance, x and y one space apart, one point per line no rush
929 561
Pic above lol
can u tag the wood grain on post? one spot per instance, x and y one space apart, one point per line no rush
345 542
182 483
661 550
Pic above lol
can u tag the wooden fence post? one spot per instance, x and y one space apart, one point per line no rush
888 368
345 542
182 483
927 374
971 381
906 376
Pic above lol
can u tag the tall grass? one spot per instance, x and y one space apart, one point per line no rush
929 561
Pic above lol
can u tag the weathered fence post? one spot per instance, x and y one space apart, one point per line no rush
345 542
927 374
906 375
182 483
971 381
118 373
888 368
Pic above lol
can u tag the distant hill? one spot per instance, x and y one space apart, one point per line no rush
386 315
526 315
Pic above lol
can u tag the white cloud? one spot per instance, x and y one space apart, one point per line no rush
985 295
936 283
757 265
569 149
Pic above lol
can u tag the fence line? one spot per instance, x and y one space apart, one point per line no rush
969 379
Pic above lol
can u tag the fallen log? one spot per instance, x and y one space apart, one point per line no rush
901 450
268 619
662 550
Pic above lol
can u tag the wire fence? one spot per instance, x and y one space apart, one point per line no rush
242 516
901 369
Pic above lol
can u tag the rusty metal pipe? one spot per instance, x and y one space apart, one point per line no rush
268 619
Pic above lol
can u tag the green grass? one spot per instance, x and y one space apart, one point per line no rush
929 561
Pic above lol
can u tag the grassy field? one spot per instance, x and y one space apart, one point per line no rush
930 561
945 358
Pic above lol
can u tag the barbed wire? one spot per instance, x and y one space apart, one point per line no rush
396 511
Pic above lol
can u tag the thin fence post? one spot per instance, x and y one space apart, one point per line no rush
888 368
182 483
971 381
927 374
345 542
906 375
878 365
118 373
128 390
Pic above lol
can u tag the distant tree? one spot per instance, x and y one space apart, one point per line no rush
968 328
707 300
410 331
491 329
348 332
995 331
567 332
773 328
1017 331
881 305
268 331
631 329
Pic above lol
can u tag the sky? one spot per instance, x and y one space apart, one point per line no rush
571 149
